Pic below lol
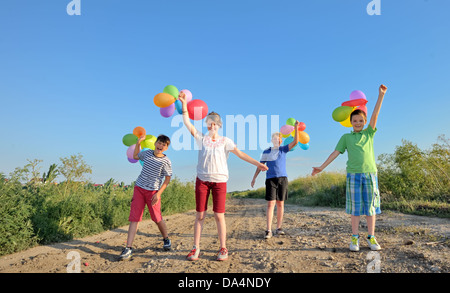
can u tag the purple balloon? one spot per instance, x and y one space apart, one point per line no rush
357 95
167 111
130 151
132 160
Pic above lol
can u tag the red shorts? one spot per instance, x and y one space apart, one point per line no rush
141 197
219 193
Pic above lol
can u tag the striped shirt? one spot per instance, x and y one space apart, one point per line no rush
153 171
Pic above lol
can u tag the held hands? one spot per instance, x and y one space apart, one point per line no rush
262 167
316 170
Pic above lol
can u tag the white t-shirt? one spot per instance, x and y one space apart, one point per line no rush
212 158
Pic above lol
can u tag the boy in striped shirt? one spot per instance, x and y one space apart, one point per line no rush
154 178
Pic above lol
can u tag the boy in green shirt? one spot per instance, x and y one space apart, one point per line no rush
362 195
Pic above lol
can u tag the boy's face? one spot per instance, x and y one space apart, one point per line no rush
160 147
276 140
358 122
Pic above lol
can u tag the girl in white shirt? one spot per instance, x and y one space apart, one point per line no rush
212 175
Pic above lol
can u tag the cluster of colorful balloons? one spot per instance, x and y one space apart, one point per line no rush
288 132
130 140
357 101
168 102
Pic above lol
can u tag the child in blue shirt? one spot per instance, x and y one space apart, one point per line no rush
276 179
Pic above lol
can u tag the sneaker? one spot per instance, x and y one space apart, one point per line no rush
268 234
280 231
127 253
373 244
167 244
223 254
193 255
354 245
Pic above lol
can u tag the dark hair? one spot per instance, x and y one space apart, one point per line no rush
164 139
358 112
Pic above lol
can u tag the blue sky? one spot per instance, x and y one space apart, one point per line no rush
78 84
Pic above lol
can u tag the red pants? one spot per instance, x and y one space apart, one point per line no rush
141 197
219 193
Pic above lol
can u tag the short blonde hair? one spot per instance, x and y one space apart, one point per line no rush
276 134
215 118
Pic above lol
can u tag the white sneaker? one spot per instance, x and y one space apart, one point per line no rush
373 244
354 245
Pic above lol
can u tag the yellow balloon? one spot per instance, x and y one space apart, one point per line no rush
149 142
163 100
303 137
346 122
285 135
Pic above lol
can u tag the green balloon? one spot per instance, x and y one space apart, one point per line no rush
290 121
341 113
129 139
171 90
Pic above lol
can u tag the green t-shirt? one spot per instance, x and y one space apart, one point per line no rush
359 145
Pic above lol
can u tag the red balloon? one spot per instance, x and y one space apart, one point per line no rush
355 103
197 109
301 126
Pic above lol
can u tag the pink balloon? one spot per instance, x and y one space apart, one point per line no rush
363 107
188 95
286 129
167 111
357 95
130 151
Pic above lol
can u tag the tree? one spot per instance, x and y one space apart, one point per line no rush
73 168
52 173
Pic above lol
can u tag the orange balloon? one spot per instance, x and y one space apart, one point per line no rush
139 131
303 137
163 100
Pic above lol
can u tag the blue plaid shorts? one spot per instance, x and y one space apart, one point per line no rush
362 194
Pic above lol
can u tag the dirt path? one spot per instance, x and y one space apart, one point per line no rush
317 241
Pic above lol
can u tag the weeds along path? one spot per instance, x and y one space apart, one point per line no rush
316 241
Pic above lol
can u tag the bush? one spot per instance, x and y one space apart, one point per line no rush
48 213
16 229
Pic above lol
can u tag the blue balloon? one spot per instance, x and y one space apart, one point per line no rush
140 161
304 146
178 106
288 140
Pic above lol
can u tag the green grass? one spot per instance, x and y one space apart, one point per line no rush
328 190
32 215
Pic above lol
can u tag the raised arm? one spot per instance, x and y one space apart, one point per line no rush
186 120
137 148
376 110
295 141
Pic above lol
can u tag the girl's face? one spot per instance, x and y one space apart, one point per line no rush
212 126
358 122
276 140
